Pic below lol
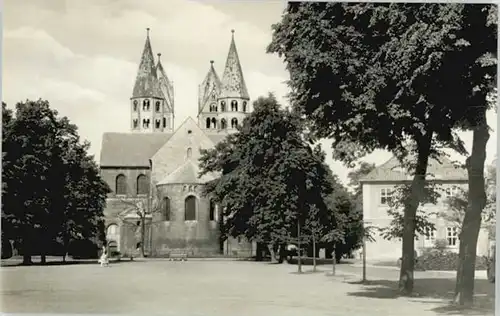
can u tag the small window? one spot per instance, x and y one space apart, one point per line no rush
213 107
158 123
189 153
244 106
190 208
164 122
214 123
452 236
145 105
223 106
234 122
451 191
158 106
212 211
145 123
166 209
135 123
223 124
430 234
385 196
208 122
135 105
142 185
234 106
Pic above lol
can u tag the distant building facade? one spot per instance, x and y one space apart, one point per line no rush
154 167
378 186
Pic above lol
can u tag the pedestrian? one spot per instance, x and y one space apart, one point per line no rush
104 261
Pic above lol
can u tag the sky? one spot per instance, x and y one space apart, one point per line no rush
82 56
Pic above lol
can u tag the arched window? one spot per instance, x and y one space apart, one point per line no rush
158 123
234 106
166 209
157 106
214 123
213 107
234 122
190 208
244 106
135 122
212 210
113 237
121 185
208 122
223 106
112 230
189 152
223 124
145 105
135 105
142 184
164 122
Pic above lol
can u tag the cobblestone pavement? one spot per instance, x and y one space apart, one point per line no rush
159 287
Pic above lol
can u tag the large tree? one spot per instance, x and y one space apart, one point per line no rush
270 181
52 190
382 76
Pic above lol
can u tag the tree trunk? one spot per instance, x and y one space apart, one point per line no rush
272 252
143 235
299 249
43 259
26 247
410 211
281 253
314 253
334 258
464 291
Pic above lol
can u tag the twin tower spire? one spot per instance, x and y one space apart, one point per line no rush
153 95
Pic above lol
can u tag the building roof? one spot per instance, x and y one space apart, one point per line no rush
391 170
130 149
166 85
135 149
146 82
233 83
207 87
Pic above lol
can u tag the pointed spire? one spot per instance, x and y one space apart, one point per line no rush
233 83
166 86
209 84
146 84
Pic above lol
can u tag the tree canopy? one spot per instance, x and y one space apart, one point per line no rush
394 76
52 192
271 179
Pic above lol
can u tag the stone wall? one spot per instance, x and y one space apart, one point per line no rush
199 237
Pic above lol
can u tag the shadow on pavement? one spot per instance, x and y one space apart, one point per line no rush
12 263
428 290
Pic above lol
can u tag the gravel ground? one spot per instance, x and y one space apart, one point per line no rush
222 287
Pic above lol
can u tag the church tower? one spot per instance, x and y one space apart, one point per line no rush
225 103
152 97
208 111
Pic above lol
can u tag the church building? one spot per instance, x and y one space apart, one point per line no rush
154 169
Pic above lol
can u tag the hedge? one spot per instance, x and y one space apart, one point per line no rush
444 261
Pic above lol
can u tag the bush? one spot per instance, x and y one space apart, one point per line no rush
444 261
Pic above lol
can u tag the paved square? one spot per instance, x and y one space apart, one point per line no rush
162 287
